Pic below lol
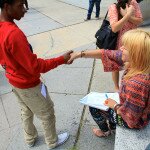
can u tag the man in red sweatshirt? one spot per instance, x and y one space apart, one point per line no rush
23 70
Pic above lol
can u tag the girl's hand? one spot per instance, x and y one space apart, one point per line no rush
130 10
74 56
110 103
123 12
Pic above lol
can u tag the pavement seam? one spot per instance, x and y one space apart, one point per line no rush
72 5
56 20
84 108
16 135
65 93
5 113
5 93
47 16
11 126
63 26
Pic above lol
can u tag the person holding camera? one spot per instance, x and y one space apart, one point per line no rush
123 16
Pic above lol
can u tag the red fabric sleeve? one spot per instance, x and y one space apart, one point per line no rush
112 60
19 48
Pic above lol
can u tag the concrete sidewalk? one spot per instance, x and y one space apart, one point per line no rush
53 27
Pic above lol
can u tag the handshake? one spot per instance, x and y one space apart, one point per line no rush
70 56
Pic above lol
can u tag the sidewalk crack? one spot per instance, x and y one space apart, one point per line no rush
83 112
5 113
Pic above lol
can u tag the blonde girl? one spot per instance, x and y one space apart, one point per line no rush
134 108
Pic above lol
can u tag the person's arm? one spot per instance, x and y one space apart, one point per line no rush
111 59
18 46
96 53
119 24
135 20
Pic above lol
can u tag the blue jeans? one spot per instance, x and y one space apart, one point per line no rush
91 5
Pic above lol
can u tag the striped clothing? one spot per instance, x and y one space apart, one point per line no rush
134 93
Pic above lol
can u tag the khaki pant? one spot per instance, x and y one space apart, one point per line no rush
33 102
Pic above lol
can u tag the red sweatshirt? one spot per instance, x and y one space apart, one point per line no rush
23 68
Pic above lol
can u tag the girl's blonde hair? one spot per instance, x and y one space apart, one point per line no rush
137 42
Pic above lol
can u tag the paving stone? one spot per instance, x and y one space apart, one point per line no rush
31 14
88 141
85 4
99 83
87 29
3 118
80 3
12 108
68 80
68 112
81 63
7 136
38 25
69 14
17 142
4 85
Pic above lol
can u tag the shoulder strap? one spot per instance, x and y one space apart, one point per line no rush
106 14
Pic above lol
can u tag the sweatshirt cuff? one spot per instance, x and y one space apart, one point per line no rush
60 60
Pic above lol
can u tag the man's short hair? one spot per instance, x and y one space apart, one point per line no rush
2 2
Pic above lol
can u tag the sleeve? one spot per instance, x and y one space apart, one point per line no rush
20 50
137 9
112 60
136 98
113 14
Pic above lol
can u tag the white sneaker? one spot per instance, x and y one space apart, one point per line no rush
32 143
62 138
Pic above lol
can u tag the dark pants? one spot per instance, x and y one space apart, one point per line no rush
107 120
91 5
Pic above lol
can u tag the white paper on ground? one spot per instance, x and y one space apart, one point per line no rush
96 100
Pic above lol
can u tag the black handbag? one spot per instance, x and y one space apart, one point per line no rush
105 38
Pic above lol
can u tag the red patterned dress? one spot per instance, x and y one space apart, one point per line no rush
113 18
